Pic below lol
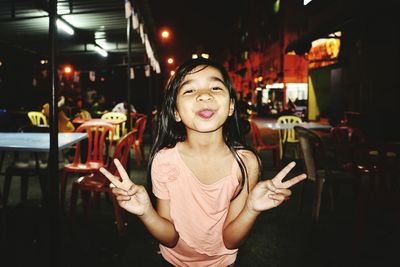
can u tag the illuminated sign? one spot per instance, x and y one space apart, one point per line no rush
324 51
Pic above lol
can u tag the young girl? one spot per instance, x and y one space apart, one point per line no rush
205 179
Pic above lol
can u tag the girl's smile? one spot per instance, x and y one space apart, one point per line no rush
203 103
205 113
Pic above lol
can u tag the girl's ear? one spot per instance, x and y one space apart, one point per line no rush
177 117
231 107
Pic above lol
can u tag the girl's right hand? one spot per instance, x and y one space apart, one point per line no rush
132 197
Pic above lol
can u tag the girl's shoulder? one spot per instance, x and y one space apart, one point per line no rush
165 154
249 158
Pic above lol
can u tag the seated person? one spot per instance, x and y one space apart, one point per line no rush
122 107
99 107
64 123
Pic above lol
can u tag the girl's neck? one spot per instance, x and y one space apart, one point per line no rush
204 143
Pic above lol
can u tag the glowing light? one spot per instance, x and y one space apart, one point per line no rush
165 34
172 72
170 60
101 51
65 27
67 69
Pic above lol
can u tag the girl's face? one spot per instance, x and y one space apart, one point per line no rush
203 103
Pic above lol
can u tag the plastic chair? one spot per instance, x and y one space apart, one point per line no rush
258 143
319 170
353 155
84 114
25 165
287 136
37 118
118 120
97 183
97 152
140 126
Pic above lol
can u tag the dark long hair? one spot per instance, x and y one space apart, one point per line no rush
169 131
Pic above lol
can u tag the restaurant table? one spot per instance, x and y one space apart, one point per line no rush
284 126
79 121
49 220
36 142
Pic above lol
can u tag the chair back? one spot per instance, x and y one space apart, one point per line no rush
288 135
84 114
313 152
140 126
256 139
121 152
37 118
347 142
97 149
118 120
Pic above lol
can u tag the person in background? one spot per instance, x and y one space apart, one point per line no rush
64 123
122 107
204 177
99 107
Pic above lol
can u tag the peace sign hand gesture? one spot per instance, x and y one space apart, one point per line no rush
132 197
268 194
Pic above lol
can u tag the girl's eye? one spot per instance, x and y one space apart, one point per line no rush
216 88
188 91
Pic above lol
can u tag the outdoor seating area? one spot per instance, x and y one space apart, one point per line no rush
254 133
315 221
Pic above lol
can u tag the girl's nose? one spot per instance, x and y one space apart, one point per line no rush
204 95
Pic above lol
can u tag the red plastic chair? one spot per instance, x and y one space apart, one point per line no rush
97 155
353 155
140 126
258 143
98 183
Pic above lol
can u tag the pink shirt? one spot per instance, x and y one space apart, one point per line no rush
197 210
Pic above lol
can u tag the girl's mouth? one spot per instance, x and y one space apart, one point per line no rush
205 113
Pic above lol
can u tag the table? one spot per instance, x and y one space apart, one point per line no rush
36 142
285 126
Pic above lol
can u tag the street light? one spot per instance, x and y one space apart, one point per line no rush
170 60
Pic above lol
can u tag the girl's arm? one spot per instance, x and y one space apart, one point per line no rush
240 219
135 199
264 195
159 224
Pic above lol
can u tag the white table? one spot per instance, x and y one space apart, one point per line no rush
37 142
285 126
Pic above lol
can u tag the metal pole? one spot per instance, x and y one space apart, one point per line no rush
128 93
52 190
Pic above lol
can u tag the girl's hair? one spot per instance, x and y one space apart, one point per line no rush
169 131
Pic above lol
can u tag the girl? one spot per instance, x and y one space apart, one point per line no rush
205 179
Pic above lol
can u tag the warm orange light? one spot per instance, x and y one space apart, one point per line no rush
165 34
172 72
67 69
170 60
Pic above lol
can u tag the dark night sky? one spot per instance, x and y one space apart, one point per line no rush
206 23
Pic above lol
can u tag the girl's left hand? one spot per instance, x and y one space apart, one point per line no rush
268 194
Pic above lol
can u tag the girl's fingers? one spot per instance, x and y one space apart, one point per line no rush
111 177
293 181
121 170
285 171
277 197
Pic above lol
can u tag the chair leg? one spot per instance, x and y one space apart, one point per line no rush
317 199
63 189
6 189
86 201
138 156
24 188
301 197
118 212
74 198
